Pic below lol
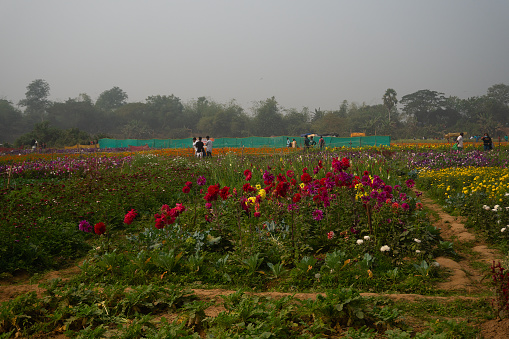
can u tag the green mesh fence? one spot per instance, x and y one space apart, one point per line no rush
271 142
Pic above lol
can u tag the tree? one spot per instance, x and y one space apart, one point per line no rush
368 119
500 93
268 119
136 129
418 105
332 123
111 99
390 100
164 112
10 121
296 122
36 99
75 114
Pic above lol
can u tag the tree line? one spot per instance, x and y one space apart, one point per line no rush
423 114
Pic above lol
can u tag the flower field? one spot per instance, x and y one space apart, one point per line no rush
340 222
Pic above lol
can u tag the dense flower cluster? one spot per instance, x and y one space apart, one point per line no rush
168 215
130 216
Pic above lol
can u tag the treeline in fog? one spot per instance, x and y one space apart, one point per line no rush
425 113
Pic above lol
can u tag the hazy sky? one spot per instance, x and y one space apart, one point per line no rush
309 53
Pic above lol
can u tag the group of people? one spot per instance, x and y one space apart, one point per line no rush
308 142
202 149
487 142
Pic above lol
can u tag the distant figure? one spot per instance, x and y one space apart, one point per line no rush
506 138
488 143
288 142
294 143
306 143
459 141
208 146
199 148
321 143
194 146
312 142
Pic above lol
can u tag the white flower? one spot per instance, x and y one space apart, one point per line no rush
317 276
417 251
385 248
486 207
503 230
436 264
507 194
366 237
417 240
496 208
360 241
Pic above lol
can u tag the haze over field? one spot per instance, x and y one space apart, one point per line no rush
304 53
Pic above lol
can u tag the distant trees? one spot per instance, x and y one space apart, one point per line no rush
74 113
10 121
422 113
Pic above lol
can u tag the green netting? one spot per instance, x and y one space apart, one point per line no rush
271 142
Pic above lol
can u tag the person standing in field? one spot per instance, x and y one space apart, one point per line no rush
321 143
199 148
208 146
294 143
306 143
288 142
194 147
312 142
488 143
459 141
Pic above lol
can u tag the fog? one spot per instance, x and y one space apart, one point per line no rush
304 53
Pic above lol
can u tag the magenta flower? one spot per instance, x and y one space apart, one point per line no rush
85 226
318 215
410 183
201 180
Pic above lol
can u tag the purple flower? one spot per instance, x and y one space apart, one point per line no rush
85 226
201 180
318 215
388 189
410 183
293 207
268 177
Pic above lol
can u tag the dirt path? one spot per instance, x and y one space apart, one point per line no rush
464 278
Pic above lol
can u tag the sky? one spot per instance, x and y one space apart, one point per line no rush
312 54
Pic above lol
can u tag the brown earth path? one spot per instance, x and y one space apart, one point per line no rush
463 276
464 279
